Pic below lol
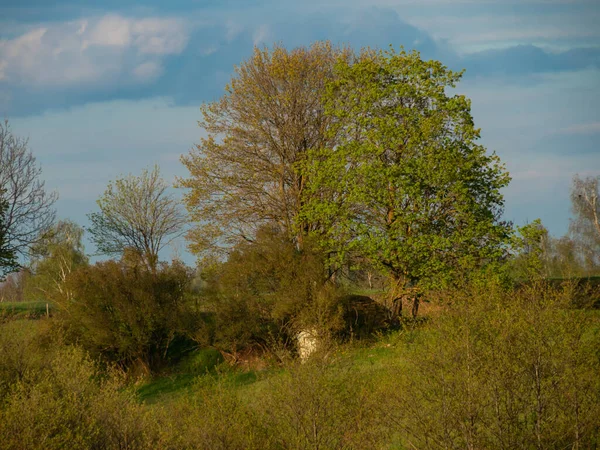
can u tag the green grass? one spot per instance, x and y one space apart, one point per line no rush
204 368
24 310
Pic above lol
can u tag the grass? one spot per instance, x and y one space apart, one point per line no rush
204 368
25 310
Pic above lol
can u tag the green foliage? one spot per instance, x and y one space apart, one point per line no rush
516 369
268 290
71 404
407 186
24 348
127 313
318 405
24 310
529 247
494 369
58 253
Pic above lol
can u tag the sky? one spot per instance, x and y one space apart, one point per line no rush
106 88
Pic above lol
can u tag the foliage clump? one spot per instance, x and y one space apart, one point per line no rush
126 312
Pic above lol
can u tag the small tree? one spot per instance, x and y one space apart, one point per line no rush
530 248
138 213
28 209
54 259
126 312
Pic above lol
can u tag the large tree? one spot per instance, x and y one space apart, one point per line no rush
137 212
407 185
28 207
585 226
244 173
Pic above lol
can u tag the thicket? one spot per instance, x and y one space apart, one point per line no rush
129 314
269 290
496 369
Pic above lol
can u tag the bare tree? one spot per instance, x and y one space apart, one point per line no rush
29 208
585 227
137 213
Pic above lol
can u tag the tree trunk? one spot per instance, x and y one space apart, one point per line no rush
415 306
397 308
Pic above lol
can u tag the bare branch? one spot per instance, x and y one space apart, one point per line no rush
30 208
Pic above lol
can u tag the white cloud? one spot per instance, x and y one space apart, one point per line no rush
159 36
111 31
233 29
148 70
261 35
94 50
582 128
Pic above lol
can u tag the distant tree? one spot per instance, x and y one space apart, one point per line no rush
8 257
14 286
244 174
53 259
564 258
138 213
28 208
585 226
406 185
530 249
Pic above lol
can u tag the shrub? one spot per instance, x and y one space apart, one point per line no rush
267 291
70 404
318 405
24 348
506 370
129 314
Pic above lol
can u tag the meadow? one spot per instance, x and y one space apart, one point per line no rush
488 368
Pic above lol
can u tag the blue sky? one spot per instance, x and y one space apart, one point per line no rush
104 88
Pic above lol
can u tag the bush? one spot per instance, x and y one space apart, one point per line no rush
267 291
504 370
129 314
318 405
25 347
70 404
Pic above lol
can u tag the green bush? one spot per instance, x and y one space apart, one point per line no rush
320 405
267 291
506 370
71 404
128 314
25 347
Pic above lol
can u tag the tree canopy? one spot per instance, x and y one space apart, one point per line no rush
407 185
244 173
54 258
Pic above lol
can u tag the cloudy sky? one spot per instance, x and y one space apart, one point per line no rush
105 88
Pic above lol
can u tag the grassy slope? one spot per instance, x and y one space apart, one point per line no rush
365 358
